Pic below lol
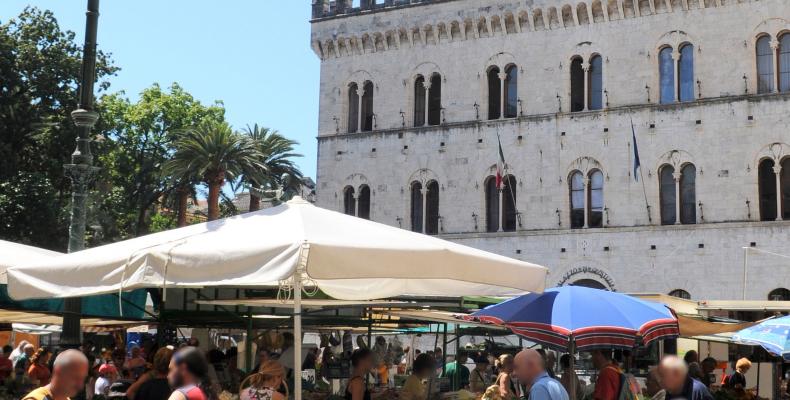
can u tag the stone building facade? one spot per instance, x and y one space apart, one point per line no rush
416 97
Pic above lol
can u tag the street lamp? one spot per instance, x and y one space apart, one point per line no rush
81 171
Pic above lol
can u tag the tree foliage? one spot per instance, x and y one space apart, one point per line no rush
139 139
134 140
39 74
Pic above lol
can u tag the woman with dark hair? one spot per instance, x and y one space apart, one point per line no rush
415 388
153 385
361 363
189 375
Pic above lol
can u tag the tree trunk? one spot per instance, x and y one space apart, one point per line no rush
255 201
215 182
183 199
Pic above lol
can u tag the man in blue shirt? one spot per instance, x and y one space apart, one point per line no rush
530 369
678 384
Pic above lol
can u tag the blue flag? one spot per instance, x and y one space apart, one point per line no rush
637 164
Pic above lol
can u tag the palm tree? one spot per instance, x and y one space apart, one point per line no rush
278 152
214 152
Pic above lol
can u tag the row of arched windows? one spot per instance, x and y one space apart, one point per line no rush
677 198
677 83
773 55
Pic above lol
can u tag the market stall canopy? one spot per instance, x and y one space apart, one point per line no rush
306 303
348 258
16 254
773 335
744 305
572 317
695 325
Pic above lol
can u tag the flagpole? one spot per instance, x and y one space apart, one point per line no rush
505 176
641 175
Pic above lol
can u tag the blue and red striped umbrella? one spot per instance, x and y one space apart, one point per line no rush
587 318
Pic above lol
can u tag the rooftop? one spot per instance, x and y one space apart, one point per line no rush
327 9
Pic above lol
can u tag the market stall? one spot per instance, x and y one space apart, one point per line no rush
296 247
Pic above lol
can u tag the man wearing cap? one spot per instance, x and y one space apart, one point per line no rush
68 377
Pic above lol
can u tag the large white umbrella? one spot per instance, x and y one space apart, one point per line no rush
348 258
16 254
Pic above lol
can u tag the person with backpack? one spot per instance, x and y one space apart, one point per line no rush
610 378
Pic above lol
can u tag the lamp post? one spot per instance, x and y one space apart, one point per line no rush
81 171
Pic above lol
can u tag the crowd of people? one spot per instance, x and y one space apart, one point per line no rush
145 373
187 373
530 374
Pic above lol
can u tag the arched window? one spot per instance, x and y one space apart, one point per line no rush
511 91
367 107
767 188
596 83
681 294
577 199
494 94
765 65
666 72
492 205
688 194
784 63
596 200
668 194
780 294
784 184
419 101
590 283
686 73
432 208
416 206
349 202
353 108
577 85
509 211
435 100
363 206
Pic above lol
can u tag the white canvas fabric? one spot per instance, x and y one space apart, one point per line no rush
348 258
16 254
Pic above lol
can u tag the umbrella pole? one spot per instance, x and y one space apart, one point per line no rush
572 370
297 334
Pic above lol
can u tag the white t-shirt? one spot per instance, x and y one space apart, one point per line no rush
102 386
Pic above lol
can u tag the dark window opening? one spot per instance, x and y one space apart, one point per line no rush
577 85
494 93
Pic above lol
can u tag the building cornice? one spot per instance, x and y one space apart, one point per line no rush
619 110
608 230
474 23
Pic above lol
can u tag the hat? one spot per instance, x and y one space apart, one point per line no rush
107 369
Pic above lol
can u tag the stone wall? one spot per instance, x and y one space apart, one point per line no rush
725 132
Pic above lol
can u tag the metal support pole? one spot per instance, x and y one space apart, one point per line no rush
248 346
444 350
298 333
81 171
